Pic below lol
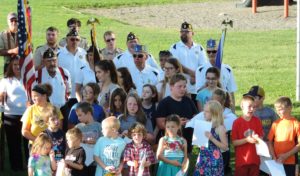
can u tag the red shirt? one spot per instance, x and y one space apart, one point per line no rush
246 154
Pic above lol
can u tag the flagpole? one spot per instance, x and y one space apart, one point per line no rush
298 54
92 22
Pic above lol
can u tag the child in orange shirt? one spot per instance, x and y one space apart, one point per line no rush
245 132
283 136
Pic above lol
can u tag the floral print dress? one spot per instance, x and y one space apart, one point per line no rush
173 150
210 161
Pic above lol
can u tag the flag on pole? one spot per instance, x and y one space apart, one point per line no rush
219 56
25 46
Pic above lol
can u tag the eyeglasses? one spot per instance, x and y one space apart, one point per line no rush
168 68
75 39
211 78
109 40
138 56
212 52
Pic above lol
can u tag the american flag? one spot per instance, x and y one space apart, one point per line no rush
25 46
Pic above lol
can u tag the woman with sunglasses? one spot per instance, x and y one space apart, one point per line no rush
13 102
171 67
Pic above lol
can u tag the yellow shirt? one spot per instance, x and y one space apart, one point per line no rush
33 117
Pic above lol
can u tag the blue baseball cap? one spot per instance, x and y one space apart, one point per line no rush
211 43
140 48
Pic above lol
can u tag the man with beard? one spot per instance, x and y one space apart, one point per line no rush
58 77
190 54
8 40
51 37
126 58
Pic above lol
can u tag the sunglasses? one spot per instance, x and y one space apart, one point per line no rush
108 40
75 39
212 52
13 20
138 56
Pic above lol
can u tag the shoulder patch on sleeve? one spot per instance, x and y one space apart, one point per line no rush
229 70
174 46
118 57
200 69
38 47
156 74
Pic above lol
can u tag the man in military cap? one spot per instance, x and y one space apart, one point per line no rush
227 79
111 50
58 77
190 54
51 38
72 58
74 24
126 60
8 39
142 73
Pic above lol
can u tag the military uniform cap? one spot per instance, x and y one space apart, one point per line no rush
11 15
211 43
185 26
140 48
49 53
73 33
131 36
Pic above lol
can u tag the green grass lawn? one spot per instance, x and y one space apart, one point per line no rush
265 58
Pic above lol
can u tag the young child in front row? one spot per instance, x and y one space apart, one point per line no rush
75 154
172 149
39 163
55 133
284 136
137 150
109 148
210 160
245 132
91 131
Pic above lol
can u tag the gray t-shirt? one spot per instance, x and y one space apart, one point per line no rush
130 120
92 130
267 117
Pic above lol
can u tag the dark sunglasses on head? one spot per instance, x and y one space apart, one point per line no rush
138 55
212 52
74 39
108 40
